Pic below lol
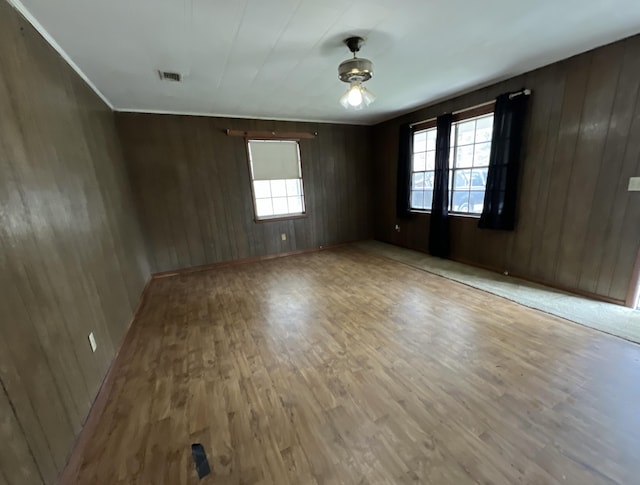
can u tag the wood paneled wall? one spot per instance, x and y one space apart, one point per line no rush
192 186
578 227
72 259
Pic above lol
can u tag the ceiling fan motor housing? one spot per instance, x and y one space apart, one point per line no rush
354 70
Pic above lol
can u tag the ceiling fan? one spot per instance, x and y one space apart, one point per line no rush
356 71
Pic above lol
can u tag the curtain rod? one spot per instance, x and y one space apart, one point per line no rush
272 134
525 92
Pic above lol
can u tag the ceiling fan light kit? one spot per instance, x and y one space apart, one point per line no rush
356 71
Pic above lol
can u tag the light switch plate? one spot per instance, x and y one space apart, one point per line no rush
283 236
634 184
92 342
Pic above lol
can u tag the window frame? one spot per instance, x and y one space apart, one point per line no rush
279 217
424 126
458 117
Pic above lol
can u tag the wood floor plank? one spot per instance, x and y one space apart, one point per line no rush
344 367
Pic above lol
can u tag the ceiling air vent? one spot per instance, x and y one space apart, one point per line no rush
170 76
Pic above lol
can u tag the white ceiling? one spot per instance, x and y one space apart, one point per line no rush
278 59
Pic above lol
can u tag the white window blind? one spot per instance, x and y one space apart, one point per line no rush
274 159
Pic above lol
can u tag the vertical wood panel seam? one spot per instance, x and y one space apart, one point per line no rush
126 175
56 384
15 415
23 134
102 201
537 190
66 330
600 169
573 159
86 152
626 208
620 184
198 195
554 155
61 315
186 200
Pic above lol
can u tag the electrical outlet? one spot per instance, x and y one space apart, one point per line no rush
634 184
92 342
283 236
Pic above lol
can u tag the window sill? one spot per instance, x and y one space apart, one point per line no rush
452 214
465 215
286 217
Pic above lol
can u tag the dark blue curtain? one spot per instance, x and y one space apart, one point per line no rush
439 221
404 171
500 198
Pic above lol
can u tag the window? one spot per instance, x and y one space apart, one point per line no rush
469 164
276 178
423 168
470 147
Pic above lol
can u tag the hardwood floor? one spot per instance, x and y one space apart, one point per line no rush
344 367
